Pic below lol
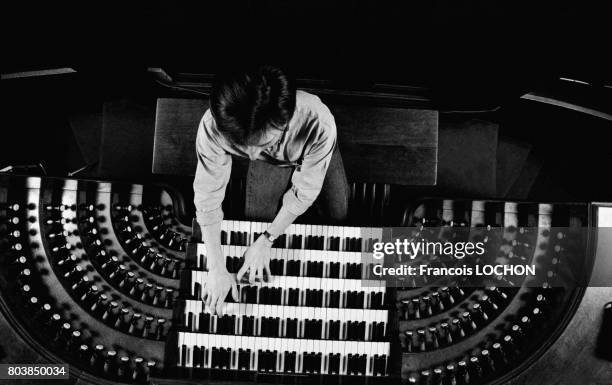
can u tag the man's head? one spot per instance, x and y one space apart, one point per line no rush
253 107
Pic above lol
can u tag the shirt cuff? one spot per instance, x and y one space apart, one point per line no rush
292 204
206 218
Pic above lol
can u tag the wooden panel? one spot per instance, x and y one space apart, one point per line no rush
378 144
388 145
467 153
87 130
511 158
176 126
127 139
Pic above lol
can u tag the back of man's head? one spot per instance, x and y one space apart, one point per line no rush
245 103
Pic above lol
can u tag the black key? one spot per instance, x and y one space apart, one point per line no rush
334 270
350 330
334 330
334 298
310 269
228 323
306 363
378 331
261 361
263 296
196 355
248 325
360 300
183 355
296 242
350 364
277 295
189 319
273 358
227 358
318 328
363 360
334 364
333 243
293 297
354 299
204 322
376 300
361 331
214 360
380 363
251 294
319 269
266 327
292 324
277 266
297 268
244 359
203 353
290 362
310 297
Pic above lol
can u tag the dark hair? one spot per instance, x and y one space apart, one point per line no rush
243 103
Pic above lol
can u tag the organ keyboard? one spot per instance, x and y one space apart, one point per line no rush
287 321
319 312
294 262
298 236
283 355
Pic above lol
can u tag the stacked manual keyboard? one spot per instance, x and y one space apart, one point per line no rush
318 313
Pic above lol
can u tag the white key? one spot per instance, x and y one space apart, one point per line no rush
365 235
478 215
447 210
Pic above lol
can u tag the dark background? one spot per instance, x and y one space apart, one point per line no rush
468 56
481 44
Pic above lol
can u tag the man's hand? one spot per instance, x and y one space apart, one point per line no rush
256 260
215 289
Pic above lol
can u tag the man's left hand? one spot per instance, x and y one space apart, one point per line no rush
256 260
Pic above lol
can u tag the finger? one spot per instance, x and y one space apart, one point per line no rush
212 304
252 274
235 292
260 271
208 298
241 272
204 294
219 307
268 273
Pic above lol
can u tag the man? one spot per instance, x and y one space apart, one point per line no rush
258 114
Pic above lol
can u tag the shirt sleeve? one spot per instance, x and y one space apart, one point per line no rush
307 179
212 174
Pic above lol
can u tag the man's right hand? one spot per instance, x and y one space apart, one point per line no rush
215 289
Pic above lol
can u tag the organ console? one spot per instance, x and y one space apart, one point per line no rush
101 276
